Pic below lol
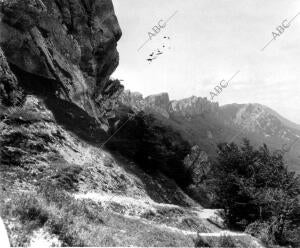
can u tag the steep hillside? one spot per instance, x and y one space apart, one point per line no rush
56 188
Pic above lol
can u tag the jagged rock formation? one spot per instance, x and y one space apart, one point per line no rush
70 44
160 103
197 165
133 99
193 106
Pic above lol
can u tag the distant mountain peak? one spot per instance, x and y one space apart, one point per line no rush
193 106
162 104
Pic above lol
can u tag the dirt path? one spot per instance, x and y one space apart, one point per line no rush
42 238
148 203
3 235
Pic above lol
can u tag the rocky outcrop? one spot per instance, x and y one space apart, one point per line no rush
193 106
69 43
160 100
133 99
197 164
10 92
160 103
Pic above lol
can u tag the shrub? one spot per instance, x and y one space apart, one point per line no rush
260 230
67 177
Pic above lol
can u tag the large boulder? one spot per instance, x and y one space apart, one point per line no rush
69 43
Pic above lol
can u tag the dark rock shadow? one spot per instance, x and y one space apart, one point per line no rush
158 186
76 120
66 114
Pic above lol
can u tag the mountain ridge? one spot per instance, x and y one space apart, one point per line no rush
194 98
208 123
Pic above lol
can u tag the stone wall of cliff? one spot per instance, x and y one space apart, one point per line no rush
67 46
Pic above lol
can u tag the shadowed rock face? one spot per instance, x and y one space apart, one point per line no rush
71 42
10 93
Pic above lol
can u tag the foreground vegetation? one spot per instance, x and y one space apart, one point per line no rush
253 186
55 210
223 241
258 193
79 222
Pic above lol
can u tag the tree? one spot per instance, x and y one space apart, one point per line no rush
254 186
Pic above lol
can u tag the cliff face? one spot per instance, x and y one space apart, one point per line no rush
160 100
10 93
133 99
69 43
159 103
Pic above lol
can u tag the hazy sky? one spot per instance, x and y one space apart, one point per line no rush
210 40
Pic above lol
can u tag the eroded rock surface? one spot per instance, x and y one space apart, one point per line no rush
10 92
69 43
197 164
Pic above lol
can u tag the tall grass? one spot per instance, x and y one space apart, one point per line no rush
54 210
